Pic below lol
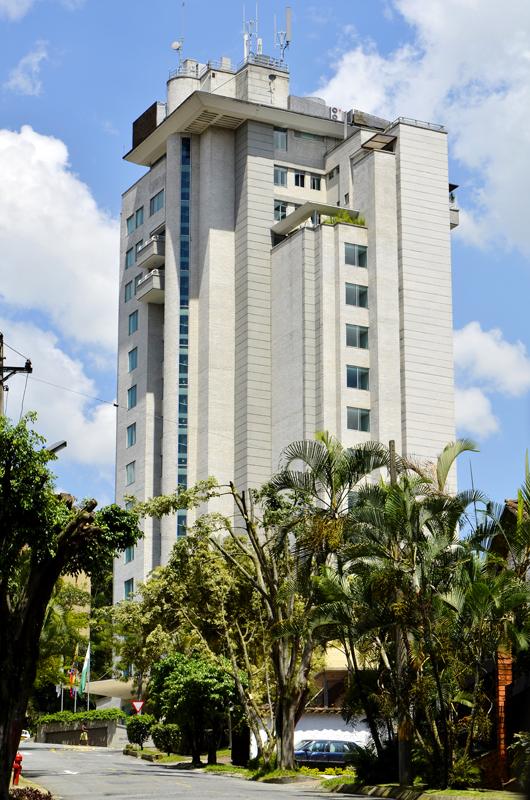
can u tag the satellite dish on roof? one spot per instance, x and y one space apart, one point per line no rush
177 45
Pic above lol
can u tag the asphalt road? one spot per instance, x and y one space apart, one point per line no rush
98 774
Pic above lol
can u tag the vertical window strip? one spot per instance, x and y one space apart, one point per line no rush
184 286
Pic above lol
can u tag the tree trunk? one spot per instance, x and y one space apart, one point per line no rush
285 724
16 681
374 731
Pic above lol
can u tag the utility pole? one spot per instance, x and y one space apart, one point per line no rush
7 372
404 749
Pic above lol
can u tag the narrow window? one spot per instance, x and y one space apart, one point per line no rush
130 470
139 217
138 247
129 554
129 258
131 434
280 176
358 419
357 336
280 210
315 182
156 203
280 138
299 179
130 224
357 377
128 291
355 255
128 588
356 295
133 358
132 397
137 281
133 322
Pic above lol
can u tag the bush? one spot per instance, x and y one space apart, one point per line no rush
139 728
81 716
369 768
167 738
520 752
29 793
464 774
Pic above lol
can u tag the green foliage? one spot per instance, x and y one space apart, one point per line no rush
43 535
81 716
139 728
65 626
193 693
371 768
464 774
167 738
344 216
520 753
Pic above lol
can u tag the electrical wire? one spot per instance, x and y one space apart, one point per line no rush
15 351
98 399
23 396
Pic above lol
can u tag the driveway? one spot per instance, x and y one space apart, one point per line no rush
98 773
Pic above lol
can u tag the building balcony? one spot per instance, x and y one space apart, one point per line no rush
152 254
454 217
151 288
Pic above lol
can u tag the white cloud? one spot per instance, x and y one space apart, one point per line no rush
15 9
466 65
25 77
486 358
60 250
474 414
88 428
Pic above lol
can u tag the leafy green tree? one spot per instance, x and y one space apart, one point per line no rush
167 738
65 627
43 535
139 729
194 694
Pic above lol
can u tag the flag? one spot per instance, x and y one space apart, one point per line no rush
85 672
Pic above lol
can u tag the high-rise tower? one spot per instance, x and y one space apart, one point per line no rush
285 268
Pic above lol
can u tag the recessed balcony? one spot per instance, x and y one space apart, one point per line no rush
151 288
152 254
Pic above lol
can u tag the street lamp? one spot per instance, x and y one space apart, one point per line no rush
56 446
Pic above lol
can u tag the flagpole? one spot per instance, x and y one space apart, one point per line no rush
88 684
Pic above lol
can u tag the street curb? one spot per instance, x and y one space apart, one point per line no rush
395 793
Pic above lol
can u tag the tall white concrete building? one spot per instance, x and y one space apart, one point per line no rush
252 310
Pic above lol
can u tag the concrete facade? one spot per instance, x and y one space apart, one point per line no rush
255 323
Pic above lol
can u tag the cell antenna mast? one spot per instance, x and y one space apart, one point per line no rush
282 39
251 43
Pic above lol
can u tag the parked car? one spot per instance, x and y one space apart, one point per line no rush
25 735
322 753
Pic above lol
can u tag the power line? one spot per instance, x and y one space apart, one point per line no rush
75 391
99 399
14 350
23 397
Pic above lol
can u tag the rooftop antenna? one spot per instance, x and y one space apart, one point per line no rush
251 43
177 46
282 39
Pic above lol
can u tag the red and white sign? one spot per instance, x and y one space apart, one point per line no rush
138 705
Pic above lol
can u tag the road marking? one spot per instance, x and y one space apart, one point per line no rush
69 772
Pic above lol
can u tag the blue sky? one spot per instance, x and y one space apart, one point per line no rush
75 73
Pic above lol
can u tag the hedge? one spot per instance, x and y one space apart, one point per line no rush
81 716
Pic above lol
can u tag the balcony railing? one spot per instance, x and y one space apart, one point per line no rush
152 253
151 288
